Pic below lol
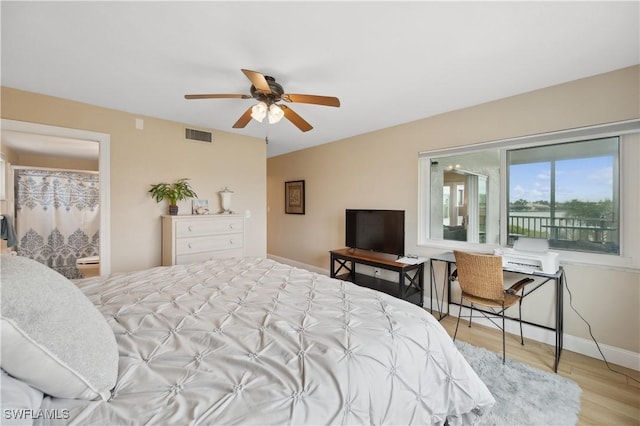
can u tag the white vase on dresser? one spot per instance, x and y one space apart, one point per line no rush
195 238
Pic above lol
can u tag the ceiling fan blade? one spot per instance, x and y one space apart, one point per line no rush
293 117
312 99
217 96
258 80
243 120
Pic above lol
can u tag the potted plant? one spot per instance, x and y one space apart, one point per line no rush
177 191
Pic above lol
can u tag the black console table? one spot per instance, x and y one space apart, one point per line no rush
410 284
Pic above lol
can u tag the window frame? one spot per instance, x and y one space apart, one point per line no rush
629 201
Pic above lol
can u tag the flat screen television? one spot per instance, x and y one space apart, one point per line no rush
375 230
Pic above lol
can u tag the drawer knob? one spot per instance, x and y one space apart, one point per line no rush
190 228
189 245
231 226
231 242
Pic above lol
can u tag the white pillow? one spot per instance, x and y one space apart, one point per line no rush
53 337
19 401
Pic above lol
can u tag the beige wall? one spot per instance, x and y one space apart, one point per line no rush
36 160
380 170
155 154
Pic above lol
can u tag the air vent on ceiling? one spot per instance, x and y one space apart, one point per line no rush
198 135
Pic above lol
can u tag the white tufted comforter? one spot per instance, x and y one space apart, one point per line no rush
253 341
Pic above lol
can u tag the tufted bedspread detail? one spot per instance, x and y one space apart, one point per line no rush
252 341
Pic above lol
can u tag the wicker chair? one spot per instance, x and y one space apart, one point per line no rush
482 283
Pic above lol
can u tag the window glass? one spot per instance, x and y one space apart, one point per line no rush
566 193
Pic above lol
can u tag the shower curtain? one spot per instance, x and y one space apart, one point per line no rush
57 217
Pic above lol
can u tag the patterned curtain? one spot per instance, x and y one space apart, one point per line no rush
57 217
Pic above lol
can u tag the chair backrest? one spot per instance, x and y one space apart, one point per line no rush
480 275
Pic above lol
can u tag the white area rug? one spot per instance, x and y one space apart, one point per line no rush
524 395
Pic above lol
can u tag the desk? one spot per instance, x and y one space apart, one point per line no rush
559 278
410 283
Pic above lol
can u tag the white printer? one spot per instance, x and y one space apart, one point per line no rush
529 255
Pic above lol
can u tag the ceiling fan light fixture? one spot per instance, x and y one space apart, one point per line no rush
266 91
275 114
259 111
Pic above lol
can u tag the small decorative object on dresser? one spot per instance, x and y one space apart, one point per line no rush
174 192
225 200
200 206
294 197
196 238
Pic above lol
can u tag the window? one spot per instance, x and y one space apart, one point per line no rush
566 193
576 188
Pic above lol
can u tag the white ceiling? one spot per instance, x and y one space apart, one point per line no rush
388 62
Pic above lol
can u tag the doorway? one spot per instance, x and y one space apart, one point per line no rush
71 140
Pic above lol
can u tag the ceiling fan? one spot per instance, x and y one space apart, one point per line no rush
267 92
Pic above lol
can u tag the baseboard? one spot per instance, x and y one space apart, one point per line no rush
613 355
298 264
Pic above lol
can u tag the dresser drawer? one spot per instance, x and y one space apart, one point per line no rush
192 238
202 244
188 228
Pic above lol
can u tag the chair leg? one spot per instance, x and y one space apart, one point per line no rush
520 321
504 348
470 314
458 322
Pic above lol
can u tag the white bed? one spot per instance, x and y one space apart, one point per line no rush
253 341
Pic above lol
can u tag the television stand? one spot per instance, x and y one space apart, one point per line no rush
410 283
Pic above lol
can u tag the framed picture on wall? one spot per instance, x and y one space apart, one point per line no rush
294 197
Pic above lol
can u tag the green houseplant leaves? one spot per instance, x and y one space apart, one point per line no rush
174 192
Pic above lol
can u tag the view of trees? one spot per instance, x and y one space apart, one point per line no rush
575 208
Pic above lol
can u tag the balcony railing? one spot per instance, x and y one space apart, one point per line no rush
582 234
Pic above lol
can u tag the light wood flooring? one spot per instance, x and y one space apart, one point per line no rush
607 398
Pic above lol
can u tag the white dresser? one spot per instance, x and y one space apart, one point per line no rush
191 238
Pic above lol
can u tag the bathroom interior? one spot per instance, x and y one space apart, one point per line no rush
50 201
